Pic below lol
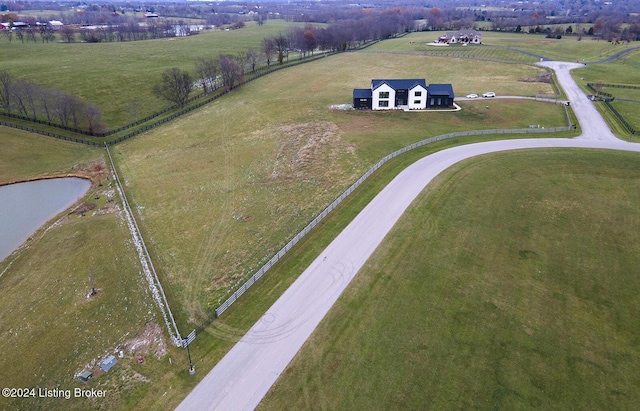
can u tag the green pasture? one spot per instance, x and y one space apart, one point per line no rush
500 45
118 77
629 111
622 71
26 156
509 284
219 191
624 93
216 193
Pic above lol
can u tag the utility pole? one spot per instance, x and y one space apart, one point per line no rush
185 344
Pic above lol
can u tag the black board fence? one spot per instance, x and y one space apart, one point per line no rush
619 116
204 99
609 98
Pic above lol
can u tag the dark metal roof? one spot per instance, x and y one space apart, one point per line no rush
361 93
399 84
441 90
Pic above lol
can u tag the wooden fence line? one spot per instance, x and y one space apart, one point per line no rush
256 276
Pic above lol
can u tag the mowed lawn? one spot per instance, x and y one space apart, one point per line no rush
221 190
511 283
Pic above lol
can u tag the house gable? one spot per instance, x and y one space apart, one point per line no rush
383 97
417 97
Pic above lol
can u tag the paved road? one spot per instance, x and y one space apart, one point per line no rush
247 372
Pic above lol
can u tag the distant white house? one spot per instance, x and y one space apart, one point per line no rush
55 24
461 37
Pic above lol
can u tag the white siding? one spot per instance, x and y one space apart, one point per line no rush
417 102
376 100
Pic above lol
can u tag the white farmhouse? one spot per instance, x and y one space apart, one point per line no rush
410 94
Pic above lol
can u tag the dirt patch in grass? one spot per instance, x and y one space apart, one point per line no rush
148 341
543 78
304 148
83 208
96 170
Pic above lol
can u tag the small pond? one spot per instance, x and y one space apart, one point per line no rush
25 207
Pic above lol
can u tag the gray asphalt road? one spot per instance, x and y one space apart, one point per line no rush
246 373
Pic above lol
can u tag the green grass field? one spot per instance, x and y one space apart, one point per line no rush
118 77
216 193
218 197
26 156
509 284
51 328
499 45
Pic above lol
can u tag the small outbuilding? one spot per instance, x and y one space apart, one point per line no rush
362 98
85 375
55 24
108 363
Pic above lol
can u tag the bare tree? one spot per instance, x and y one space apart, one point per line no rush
176 85
282 46
47 99
8 34
269 49
92 119
206 73
6 82
20 35
68 34
230 70
24 98
64 106
252 57
31 34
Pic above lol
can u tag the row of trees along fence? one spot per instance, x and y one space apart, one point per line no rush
258 274
140 127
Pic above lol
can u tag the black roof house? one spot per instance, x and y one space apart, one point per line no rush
403 93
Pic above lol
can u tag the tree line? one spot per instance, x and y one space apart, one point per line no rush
228 70
38 103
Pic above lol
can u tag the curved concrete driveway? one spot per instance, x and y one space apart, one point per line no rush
242 378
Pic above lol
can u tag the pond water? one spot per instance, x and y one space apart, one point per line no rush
25 207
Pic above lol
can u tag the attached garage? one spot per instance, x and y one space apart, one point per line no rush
440 96
362 99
